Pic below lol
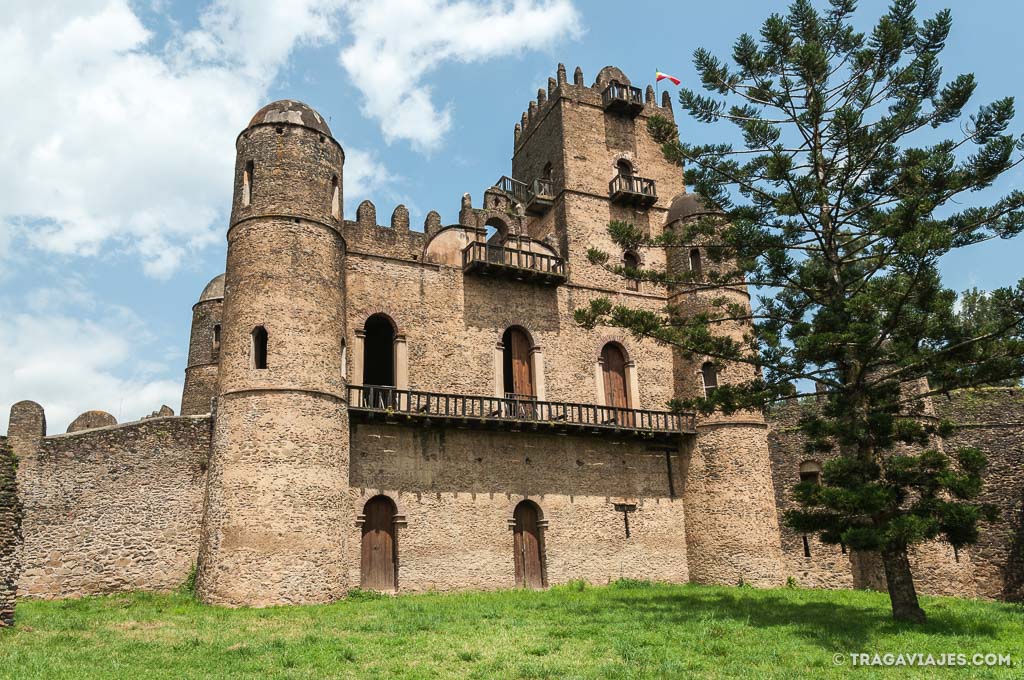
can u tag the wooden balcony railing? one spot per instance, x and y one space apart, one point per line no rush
536 197
515 411
632 190
487 258
619 97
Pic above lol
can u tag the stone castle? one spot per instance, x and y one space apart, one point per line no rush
401 410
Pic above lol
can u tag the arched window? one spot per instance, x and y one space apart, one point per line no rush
518 373
528 546
379 352
259 347
810 471
695 265
616 387
335 198
344 359
709 374
247 177
215 350
546 172
631 262
624 167
496 231
379 558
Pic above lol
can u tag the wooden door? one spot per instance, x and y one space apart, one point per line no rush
522 376
529 562
616 394
378 549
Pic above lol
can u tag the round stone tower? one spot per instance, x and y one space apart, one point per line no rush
273 528
203 350
732 530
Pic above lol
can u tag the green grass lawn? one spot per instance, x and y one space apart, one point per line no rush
625 630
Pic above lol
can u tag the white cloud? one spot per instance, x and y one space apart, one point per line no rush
72 354
396 42
112 140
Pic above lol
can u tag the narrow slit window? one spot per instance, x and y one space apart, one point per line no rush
807 547
335 198
632 263
216 341
710 376
259 347
247 183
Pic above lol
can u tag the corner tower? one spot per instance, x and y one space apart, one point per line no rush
273 530
732 528
591 146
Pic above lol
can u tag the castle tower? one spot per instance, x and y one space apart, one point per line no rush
203 350
732 529
592 144
273 530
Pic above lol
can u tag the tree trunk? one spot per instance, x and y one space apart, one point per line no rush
900 582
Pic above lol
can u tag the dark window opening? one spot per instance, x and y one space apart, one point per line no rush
695 265
216 341
247 178
379 352
518 374
624 167
632 263
710 376
807 547
259 347
546 172
810 471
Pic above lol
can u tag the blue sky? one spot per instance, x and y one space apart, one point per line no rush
115 165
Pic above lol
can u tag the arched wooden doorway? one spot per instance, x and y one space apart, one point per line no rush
616 387
529 555
379 547
518 372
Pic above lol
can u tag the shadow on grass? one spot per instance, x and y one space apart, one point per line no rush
830 625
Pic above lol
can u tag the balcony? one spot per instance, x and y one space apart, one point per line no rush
536 198
511 263
632 190
620 98
514 412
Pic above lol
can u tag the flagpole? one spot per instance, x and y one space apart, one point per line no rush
657 95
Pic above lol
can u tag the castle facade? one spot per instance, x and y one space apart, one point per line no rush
400 410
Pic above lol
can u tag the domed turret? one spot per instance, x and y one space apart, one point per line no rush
292 112
203 350
690 204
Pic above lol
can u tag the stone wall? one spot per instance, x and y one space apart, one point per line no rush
458 489
990 419
10 533
113 509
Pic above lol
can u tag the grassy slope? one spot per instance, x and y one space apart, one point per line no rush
623 630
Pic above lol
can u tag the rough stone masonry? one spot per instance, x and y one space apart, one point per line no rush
369 405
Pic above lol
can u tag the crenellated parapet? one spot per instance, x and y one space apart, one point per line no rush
579 94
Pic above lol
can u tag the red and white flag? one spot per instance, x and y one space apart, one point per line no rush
659 76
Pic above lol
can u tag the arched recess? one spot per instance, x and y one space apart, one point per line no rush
528 545
380 358
695 263
617 383
517 374
259 348
810 471
631 262
379 546
496 231
709 376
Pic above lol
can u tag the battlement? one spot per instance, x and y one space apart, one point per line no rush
596 95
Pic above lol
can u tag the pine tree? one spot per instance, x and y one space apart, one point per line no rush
837 207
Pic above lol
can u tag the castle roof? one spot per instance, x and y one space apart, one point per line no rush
291 111
689 205
214 289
